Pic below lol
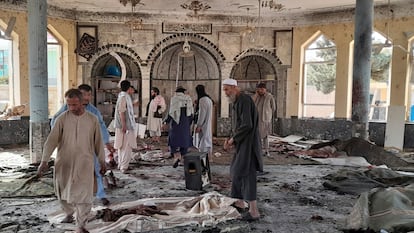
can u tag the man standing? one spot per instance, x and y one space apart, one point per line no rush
265 104
155 109
204 109
77 136
247 159
86 91
125 136
180 116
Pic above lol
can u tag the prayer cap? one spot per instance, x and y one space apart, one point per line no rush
230 82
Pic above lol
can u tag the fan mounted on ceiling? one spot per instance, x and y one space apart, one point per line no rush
9 29
388 43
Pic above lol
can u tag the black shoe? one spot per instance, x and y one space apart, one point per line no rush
248 217
241 210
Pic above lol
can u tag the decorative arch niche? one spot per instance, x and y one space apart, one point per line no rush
170 67
106 87
261 65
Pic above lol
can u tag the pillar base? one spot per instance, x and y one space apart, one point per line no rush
360 130
37 138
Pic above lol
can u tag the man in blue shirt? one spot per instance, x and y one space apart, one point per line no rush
87 95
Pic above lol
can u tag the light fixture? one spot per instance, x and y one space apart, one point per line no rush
249 29
196 7
273 5
186 50
134 3
135 23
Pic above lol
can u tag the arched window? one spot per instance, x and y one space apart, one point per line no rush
5 72
319 79
379 90
54 72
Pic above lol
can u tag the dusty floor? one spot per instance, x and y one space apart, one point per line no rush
291 197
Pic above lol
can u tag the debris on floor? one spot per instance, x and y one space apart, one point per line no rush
292 196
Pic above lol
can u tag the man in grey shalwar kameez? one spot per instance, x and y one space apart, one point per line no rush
247 159
265 104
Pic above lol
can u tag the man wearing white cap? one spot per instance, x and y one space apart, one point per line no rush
247 159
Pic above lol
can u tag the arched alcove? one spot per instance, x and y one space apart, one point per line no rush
106 86
253 66
171 67
260 65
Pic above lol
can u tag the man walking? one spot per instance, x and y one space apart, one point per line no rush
77 136
247 159
86 91
265 104
204 110
180 116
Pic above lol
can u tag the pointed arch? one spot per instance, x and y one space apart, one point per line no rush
204 43
10 53
318 77
170 68
104 84
58 74
261 65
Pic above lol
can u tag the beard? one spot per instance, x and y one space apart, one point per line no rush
231 98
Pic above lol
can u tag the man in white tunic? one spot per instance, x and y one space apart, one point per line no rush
125 134
204 110
156 107
77 136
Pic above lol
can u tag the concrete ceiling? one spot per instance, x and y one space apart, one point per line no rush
218 7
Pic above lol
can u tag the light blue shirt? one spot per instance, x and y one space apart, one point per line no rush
92 109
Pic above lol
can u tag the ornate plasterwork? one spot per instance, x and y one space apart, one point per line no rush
198 28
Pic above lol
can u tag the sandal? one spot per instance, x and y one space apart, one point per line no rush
248 217
68 219
105 201
176 163
82 230
241 210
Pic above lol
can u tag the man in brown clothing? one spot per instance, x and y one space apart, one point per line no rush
77 136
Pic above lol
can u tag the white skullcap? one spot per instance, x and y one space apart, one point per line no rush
230 82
